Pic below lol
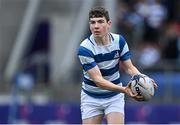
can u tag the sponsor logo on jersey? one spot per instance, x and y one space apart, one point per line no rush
116 56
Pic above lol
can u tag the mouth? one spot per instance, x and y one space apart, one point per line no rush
96 32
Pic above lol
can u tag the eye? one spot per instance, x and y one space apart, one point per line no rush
100 21
92 22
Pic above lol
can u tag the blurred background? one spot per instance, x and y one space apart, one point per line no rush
40 76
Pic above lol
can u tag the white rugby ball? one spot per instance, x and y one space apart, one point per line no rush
142 85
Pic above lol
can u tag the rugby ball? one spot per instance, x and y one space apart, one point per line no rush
142 85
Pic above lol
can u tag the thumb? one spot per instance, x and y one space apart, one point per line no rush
131 93
129 84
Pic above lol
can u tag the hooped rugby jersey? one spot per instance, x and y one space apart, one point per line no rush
107 58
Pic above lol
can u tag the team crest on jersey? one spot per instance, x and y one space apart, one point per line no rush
116 55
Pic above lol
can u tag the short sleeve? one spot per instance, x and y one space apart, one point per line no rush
86 58
124 49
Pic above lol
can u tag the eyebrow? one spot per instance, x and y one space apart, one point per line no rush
100 20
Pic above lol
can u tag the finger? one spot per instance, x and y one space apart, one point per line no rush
132 94
139 98
129 84
154 84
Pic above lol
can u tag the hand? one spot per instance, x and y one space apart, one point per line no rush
154 84
129 92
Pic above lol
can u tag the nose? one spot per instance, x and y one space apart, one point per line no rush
96 25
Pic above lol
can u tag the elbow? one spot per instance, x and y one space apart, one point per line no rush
99 81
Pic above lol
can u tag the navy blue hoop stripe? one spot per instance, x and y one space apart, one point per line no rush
111 71
122 43
88 66
126 56
106 57
85 52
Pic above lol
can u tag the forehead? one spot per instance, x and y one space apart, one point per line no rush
97 18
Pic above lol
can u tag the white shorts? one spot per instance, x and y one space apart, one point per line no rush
94 106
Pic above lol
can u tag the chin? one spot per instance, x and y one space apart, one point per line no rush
97 35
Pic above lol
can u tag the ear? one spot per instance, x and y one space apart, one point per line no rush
109 23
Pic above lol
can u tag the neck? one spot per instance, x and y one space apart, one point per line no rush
105 40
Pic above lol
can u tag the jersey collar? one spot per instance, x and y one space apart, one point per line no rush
91 39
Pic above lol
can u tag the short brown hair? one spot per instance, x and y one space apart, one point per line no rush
99 12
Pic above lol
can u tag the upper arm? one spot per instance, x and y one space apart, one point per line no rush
94 73
124 49
88 63
86 58
125 57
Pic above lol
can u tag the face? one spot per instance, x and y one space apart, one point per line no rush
99 26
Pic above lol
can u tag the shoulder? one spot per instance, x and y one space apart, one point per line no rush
85 48
119 39
87 43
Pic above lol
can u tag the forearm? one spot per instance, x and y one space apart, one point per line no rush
130 68
105 84
133 71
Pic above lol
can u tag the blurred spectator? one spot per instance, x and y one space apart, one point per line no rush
172 41
149 55
154 14
38 65
173 9
142 7
37 56
129 23
25 81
